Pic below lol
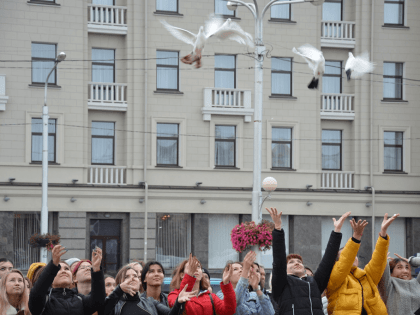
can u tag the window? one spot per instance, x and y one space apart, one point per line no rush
281 11
331 150
394 12
220 246
220 7
103 65
393 151
332 10
103 136
104 2
331 80
167 70
393 80
167 5
43 58
24 226
281 76
36 151
106 235
281 147
225 71
225 146
173 239
167 144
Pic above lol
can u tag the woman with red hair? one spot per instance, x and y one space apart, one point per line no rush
13 295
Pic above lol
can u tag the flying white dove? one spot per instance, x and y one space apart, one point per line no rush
216 27
315 60
357 67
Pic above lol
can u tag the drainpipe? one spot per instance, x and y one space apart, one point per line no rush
146 186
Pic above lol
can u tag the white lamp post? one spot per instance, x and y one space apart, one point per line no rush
259 50
44 210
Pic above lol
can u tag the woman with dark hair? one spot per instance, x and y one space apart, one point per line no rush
6 265
402 292
51 294
13 295
109 284
152 277
190 273
126 300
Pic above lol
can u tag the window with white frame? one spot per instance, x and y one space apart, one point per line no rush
281 11
167 5
332 10
36 134
220 8
281 76
281 147
331 150
394 12
393 80
43 59
103 142
167 70
220 246
393 151
225 146
167 144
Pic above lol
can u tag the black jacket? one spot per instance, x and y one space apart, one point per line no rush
163 298
46 301
297 296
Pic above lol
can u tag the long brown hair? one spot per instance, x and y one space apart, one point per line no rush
119 278
4 299
176 279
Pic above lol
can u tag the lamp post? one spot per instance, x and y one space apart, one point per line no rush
258 94
44 209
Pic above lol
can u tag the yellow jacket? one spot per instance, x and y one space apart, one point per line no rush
351 287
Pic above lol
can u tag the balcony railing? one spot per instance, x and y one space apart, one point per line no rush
220 101
108 19
3 97
107 175
337 106
107 96
337 180
338 34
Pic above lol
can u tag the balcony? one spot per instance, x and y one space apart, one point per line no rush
107 96
338 34
337 106
219 101
107 175
3 97
107 19
337 180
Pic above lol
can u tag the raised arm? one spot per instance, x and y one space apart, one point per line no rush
179 303
279 279
112 299
96 299
227 306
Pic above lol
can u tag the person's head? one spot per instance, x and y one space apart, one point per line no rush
262 273
295 265
64 278
33 271
206 274
81 272
72 262
6 266
400 269
356 260
12 284
309 271
109 284
236 272
137 266
128 273
180 273
152 274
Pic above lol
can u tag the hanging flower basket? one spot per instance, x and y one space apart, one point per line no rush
248 234
44 240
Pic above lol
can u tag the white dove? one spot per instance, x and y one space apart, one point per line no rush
214 27
357 67
315 60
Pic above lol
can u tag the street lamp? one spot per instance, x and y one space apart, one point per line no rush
44 209
258 97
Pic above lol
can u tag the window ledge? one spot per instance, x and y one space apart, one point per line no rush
284 97
274 20
395 172
46 3
226 168
396 26
40 163
168 13
168 166
168 92
230 17
282 169
36 85
393 101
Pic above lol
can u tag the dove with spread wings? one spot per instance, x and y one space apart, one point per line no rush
214 26
315 60
358 66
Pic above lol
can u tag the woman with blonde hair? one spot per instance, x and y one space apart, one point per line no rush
13 294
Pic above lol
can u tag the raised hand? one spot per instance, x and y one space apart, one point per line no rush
386 223
184 296
57 252
402 258
247 263
192 265
338 224
227 273
358 228
253 280
128 288
276 217
96 259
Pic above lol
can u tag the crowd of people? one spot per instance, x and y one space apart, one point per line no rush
338 286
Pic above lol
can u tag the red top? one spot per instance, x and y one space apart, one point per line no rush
201 305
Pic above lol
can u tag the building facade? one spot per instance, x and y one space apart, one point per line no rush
135 133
